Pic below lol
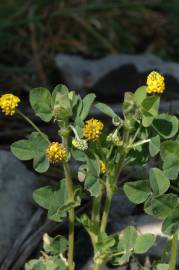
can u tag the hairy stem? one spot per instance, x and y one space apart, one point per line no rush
71 212
97 266
95 215
33 125
106 208
173 254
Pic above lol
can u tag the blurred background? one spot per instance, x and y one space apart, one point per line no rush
33 32
103 46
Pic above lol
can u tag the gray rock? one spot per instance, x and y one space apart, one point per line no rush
16 206
80 73
120 206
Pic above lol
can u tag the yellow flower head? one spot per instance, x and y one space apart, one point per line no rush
56 152
9 103
92 129
102 167
155 83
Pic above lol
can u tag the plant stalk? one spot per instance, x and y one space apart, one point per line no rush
95 215
97 266
71 212
106 209
173 254
33 125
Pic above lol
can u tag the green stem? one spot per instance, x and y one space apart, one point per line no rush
173 254
98 266
106 208
33 125
138 143
95 215
71 212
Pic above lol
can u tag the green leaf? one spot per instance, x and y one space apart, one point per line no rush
23 150
171 223
103 247
129 238
78 155
169 154
158 181
93 185
61 103
150 107
120 260
87 104
60 204
147 119
60 90
56 245
55 200
160 206
140 94
144 243
105 109
40 100
93 164
51 265
33 148
87 224
129 104
137 191
154 145
41 163
166 125
35 265
162 266
60 262
43 196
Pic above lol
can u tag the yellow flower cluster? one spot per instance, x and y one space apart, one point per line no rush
56 152
155 83
102 167
9 103
92 129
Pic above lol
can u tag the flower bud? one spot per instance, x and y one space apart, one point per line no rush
117 121
80 144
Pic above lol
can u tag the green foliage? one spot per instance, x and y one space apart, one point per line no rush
137 137
150 106
158 181
62 108
165 125
162 266
56 245
105 109
169 155
143 243
154 145
55 200
171 223
33 148
137 191
160 206
139 95
40 101
129 243
87 104
53 257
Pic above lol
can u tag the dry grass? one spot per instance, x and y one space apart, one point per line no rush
31 32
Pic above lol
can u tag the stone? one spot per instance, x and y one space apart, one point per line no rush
16 206
110 76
